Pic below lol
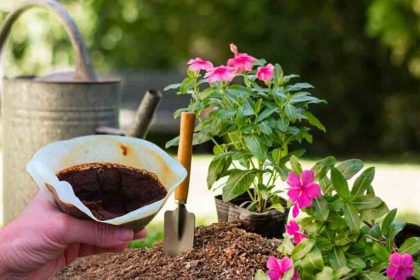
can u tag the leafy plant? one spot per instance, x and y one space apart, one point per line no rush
348 232
259 113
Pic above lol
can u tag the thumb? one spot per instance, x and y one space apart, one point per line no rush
94 233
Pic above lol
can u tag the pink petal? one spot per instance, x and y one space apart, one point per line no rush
406 260
313 190
293 180
408 272
391 271
304 201
400 275
273 263
292 227
293 194
273 274
297 237
285 264
395 259
296 275
295 211
307 177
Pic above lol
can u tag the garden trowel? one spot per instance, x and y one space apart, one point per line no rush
180 224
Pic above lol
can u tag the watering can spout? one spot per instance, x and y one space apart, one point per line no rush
142 119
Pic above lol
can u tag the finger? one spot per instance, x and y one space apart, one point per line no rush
71 230
140 234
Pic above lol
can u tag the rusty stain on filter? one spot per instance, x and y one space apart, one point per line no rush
124 149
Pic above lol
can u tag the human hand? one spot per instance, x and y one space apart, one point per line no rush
42 240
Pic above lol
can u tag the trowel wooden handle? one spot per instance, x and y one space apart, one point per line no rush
185 153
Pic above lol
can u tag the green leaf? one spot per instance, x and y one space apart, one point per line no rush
326 274
340 184
394 229
314 121
239 182
172 86
342 271
322 167
363 181
355 262
178 112
217 169
381 252
256 147
352 217
266 113
265 128
278 207
172 142
288 275
337 258
350 167
304 97
302 249
375 213
291 112
410 246
386 223
260 275
375 232
278 75
187 84
416 270
373 275
286 247
366 202
296 167
299 86
313 260
321 209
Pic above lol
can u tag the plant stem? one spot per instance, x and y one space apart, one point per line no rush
260 182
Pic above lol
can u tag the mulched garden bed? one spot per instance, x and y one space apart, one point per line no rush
221 251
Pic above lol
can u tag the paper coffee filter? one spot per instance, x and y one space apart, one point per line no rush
128 151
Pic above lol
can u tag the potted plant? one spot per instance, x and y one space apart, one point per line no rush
346 232
256 115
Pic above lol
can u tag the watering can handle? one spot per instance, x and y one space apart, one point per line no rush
84 69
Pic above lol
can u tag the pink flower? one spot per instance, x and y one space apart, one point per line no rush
303 190
295 211
220 73
241 61
198 64
292 228
265 73
277 268
400 267
233 48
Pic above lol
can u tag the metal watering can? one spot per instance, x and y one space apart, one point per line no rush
37 111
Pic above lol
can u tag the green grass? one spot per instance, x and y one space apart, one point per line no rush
155 233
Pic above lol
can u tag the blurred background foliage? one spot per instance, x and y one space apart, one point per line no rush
362 56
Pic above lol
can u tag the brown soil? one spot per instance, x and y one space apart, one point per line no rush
112 190
221 251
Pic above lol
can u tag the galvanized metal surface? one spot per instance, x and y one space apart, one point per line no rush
36 113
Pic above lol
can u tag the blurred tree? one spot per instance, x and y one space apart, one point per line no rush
397 24
374 105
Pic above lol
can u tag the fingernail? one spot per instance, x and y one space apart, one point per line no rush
125 234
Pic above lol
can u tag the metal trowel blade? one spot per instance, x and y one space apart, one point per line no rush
179 231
